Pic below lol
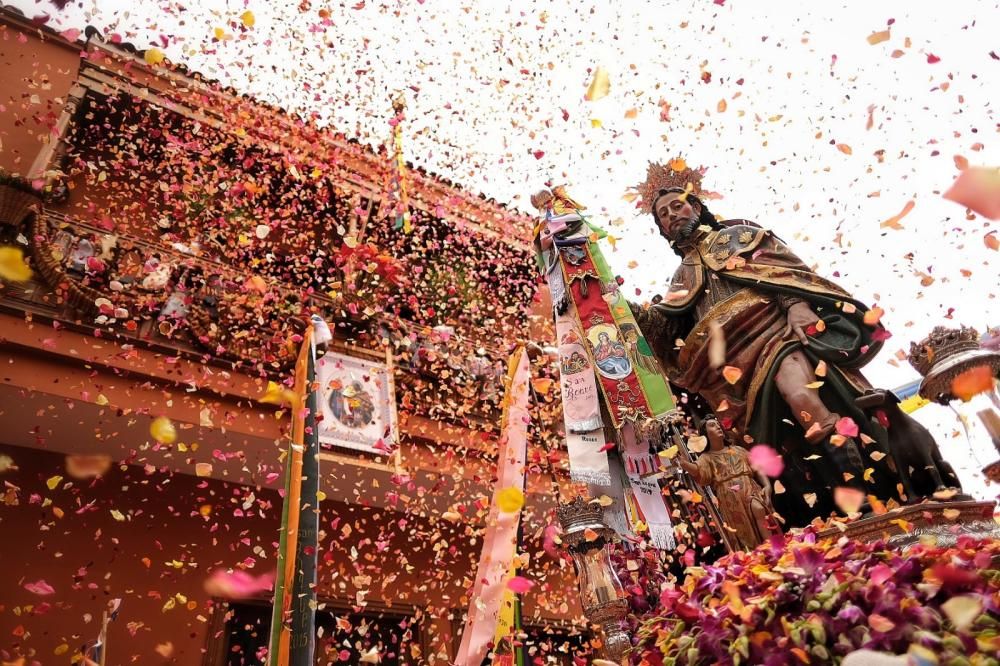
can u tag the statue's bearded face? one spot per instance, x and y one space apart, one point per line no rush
677 214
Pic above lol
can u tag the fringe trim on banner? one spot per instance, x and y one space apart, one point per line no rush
585 426
642 465
614 516
591 477
662 536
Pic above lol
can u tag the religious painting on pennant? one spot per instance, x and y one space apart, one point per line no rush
358 405
610 355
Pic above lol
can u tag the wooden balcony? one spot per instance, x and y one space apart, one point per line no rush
164 299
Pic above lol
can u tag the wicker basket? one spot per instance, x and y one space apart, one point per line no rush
16 205
50 269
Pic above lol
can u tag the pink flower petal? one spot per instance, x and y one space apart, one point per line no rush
880 335
766 460
40 588
847 427
237 584
848 500
880 573
520 584
977 188
550 541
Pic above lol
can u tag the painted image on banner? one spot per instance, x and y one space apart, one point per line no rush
358 405
609 352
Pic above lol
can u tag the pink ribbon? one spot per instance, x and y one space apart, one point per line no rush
500 539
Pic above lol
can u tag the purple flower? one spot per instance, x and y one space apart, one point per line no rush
851 613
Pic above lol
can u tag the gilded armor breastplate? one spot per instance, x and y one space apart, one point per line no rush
716 290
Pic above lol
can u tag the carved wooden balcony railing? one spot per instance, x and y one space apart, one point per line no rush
213 310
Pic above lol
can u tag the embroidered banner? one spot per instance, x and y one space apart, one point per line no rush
612 353
599 338
646 490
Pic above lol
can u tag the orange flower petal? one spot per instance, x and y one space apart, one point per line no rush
973 382
893 222
732 374
978 189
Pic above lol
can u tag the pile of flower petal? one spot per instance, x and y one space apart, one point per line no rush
809 601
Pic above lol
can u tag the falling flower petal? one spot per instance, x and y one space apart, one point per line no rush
237 584
39 587
510 500
541 384
87 466
12 265
371 656
848 500
276 394
893 222
878 37
519 584
670 452
163 430
847 427
874 315
978 189
154 56
599 86
697 443
766 460
732 374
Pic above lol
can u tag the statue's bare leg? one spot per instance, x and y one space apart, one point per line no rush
792 378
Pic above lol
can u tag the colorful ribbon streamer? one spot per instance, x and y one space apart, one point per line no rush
500 538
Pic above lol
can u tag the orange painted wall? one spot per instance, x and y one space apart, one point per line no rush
164 547
35 76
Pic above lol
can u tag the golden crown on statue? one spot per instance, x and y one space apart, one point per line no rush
675 173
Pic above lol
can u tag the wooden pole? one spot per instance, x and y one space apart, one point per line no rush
104 638
293 500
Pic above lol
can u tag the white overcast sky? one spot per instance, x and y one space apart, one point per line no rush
488 84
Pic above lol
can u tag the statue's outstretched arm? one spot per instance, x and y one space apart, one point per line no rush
661 330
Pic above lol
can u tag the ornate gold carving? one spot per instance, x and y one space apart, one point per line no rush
665 176
923 515
940 344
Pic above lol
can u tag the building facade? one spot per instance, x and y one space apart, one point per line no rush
179 236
